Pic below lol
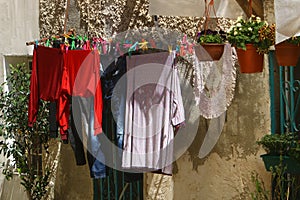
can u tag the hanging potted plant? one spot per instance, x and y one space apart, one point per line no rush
288 52
213 44
282 150
252 39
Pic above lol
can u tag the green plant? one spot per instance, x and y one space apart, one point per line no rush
22 144
260 192
294 40
210 36
280 144
252 31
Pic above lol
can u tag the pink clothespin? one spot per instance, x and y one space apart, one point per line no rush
127 45
184 40
190 48
118 49
182 50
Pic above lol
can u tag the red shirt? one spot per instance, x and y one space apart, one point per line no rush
81 77
45 80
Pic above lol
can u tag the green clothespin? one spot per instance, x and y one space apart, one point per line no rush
79 38
73 47
48 43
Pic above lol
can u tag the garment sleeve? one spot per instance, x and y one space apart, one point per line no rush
98 106
177 104
33 105
98 102
64 104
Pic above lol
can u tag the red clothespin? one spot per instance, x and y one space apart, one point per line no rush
152 43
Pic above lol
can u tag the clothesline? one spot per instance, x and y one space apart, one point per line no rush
71 32
182 47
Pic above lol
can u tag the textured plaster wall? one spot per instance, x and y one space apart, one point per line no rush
226 172
19 23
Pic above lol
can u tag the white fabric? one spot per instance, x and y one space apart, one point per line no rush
224 8
153 107
287 17
214 83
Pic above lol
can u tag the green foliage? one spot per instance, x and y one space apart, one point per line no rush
211 39
20 142
294 40
285 185
280 144
210 36
260 192
252 31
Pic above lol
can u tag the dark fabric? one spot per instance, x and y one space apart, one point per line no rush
76 143
53 124
82 129
114 110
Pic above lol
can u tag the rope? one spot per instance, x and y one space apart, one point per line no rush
208 7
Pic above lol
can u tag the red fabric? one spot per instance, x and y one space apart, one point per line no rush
81 78
33 97
45 81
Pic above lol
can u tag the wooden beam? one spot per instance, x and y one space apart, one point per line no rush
257 7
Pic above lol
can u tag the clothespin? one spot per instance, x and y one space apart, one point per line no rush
127 44
79 38
133 47
182 51
48 43
190 48
36 43
170 48
66 36
184 40
143 45
177 49
118 49
86 45
152 43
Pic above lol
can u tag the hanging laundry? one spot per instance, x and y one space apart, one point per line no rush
81 77
214 82
82 135
114 93
45 80
153 108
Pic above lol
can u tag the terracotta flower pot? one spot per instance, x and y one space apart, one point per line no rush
250 61
287 54
209 52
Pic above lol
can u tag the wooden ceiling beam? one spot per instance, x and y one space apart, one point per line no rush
257 7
